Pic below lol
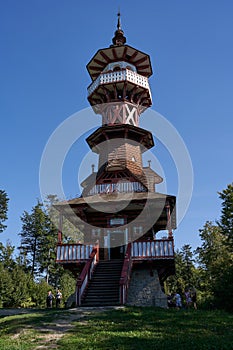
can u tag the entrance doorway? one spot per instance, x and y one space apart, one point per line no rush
117 240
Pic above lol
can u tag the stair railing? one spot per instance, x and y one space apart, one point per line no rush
125 275
86 274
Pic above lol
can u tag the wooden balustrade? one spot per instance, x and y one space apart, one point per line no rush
119 76
158 249
140 250
73 252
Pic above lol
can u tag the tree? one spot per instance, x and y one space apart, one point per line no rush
6 256
22 284
37 240
67 284
6 286
39 293
188 266
38 245
223 288
176 283
186 275
210 257
71 233
3 209
215 259
226 220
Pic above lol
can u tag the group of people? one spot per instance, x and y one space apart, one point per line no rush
50 297
189 300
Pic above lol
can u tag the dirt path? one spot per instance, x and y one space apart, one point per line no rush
51 332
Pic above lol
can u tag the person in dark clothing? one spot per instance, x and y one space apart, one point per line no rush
171 301
49 299
194 299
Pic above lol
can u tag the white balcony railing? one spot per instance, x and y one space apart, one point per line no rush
118 76
119 187
140 250
73 252
159 249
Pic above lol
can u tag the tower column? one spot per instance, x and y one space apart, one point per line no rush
59 238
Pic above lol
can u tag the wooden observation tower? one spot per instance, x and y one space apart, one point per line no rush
120 260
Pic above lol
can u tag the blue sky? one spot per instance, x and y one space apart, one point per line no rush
45 46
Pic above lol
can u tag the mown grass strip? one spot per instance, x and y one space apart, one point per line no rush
150 328
130 328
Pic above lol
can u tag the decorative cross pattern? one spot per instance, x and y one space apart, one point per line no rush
120 113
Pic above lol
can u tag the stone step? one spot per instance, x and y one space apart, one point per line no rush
107 279
102 284
105 297
111 298
108 270
100 303
101 292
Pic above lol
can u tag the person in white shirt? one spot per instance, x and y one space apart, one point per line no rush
58 298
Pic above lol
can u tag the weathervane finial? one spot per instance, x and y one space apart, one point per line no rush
119 20
119 38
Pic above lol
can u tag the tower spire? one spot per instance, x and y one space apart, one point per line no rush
119 20
119 38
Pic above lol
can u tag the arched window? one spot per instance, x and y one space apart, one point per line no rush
116 68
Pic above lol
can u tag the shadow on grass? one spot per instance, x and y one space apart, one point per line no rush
130 328
151 328
13 324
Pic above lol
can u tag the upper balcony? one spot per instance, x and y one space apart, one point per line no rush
118 187
120 84
118 76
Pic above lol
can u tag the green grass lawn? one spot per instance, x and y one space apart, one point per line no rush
129 328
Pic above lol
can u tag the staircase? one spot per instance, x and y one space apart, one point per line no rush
103 289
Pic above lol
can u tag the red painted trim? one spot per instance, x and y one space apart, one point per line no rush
95 68
114 53
86 268
95 75
143 59
101 63
86 273
59 237
108 60
125 275
143 67
124 52
133 55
